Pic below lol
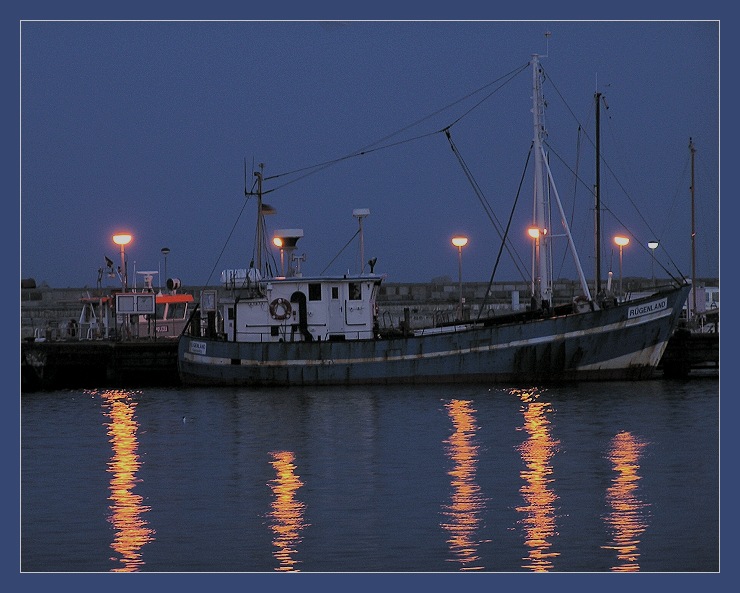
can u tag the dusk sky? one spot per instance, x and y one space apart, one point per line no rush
146 126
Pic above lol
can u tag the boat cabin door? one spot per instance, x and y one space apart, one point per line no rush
335 319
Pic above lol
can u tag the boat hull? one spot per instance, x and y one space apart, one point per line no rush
623 342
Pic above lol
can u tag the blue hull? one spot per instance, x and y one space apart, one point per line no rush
623 342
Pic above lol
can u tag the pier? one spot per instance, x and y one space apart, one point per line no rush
98 364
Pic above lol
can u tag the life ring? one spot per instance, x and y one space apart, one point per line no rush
280 309
581 304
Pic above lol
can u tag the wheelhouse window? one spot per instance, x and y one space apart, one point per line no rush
334 292
314 292
355 291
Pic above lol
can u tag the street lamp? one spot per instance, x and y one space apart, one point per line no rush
123 239
534 232
621 241
278 242
653 245
460 242
165 252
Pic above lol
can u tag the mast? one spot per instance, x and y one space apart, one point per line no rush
543 288
597 210
544 186
260 212
260 218
692 300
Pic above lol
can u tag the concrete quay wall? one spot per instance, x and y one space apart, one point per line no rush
47 311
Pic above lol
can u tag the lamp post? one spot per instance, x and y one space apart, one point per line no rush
460 242
165 252
534 232
621 241
278 242
653 245
123 239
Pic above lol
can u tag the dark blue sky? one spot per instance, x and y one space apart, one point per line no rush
145 126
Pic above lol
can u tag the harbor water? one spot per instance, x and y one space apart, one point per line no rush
589 477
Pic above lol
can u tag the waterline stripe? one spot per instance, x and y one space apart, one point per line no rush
216 361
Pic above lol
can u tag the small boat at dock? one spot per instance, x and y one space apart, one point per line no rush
99 318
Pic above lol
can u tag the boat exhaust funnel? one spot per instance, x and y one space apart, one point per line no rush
286 240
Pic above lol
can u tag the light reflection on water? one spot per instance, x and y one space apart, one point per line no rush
391 479
287 512
627 520
126 509
537 491
467 504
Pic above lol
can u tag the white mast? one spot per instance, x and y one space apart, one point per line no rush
543 283
542 268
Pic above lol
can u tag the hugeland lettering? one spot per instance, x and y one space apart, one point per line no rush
640 310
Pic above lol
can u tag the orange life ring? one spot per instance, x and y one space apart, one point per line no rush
280 309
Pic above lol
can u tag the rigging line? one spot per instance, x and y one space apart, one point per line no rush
476 188
559 94
643 244
511 75
626 193
357 232
508 226
228 238
575 189
486 205
269 255
551 150
603 204
366 149
327 164
681 179
639 213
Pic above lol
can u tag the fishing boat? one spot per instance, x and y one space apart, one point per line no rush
99 319
288 329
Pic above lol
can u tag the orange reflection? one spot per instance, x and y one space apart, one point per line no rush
626 520
467 503
287 512
539 498
131 530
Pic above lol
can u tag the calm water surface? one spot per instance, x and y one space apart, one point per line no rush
582 478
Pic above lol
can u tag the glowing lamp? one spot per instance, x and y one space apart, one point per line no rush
123 239
460 242
621 241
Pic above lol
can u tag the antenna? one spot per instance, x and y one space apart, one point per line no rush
359 214
547 43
